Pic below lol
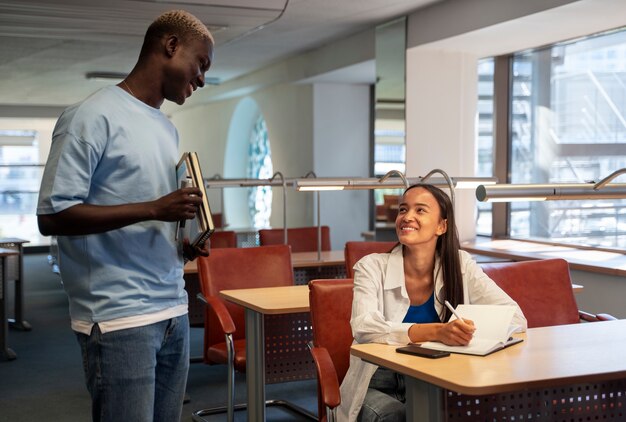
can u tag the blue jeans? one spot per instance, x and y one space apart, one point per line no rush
138 374
385 398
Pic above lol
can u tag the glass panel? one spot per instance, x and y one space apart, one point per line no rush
568 125
20 177
389 120
260 167
484 141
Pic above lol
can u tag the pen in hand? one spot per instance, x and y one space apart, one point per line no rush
454 312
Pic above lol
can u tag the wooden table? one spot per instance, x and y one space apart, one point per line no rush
588 358
323 259
5 352
14 271
299 260
579 258
261 304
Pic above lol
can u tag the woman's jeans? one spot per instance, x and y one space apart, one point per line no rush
385 398
137 374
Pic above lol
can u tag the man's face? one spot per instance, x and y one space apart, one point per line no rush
190 61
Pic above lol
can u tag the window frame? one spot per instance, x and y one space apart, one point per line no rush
502 97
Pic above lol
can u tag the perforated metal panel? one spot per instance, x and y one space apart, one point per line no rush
247 239
287 357
196 307
577 403
304 275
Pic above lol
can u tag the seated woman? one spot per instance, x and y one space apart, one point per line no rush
399 297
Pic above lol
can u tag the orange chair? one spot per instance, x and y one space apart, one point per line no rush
224 239
543 289
354 251
224 328
331 306
301 239
217 220
219 239
390 202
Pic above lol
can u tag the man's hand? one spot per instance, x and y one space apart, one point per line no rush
182 204
190 253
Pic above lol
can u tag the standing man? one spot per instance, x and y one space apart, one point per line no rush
109 193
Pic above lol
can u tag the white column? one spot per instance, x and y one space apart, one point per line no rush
440 121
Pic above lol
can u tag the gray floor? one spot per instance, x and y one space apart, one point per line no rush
45 382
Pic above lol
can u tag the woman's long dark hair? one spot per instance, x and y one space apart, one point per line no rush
447 249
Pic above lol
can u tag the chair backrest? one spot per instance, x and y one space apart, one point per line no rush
217 220
301 239
240 268
224 239
354 251
331 306
390 203
542 288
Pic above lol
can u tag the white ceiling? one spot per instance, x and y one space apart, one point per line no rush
47 46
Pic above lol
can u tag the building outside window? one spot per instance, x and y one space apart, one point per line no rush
484 140
567 125
20 177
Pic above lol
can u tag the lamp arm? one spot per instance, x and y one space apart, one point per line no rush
311 173
282 178
602 183
445 176
397 173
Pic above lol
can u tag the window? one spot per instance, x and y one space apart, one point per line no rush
247 155
20 177
389 148
260 167
389 154
484 141
567 124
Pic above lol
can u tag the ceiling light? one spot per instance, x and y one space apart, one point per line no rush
105 76
554 191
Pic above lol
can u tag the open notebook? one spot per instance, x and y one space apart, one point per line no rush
494 326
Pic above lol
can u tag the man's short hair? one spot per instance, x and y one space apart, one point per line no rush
175 22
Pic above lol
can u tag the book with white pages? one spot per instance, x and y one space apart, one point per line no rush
494 327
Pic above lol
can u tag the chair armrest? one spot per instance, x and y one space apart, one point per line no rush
327 376
218 309
586 316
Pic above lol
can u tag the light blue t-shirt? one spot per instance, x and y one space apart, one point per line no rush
113 149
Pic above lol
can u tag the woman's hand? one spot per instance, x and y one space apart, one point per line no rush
457 332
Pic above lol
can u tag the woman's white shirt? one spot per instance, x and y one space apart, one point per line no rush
381 302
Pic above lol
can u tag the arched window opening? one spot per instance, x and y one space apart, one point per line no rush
260 167
247 155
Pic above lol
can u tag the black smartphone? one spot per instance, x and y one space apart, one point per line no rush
417 350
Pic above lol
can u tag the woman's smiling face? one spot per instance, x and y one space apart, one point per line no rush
419 218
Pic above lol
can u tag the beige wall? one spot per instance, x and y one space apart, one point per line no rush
287 110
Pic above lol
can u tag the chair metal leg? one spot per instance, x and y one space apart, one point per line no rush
231 407
197 416
230 344
331 414
230 403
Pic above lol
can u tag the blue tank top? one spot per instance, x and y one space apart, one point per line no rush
424 313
